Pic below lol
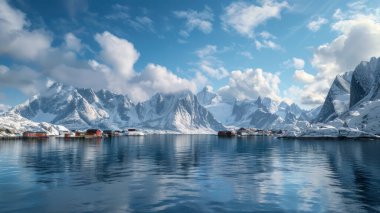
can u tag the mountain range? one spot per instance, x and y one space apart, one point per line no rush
79 108
352 100
262 113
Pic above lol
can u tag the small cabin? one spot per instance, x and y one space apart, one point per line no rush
80 134
93 133
108 133
31 134
227 133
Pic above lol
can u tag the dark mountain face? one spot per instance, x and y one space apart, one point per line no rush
337 99
364 80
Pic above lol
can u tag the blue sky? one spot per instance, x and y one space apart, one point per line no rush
286 50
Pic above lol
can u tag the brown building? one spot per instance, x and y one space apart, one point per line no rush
93 133
30 134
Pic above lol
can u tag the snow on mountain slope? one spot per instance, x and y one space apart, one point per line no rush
263 113
362 110
338 98
78 108
365 116
207 97
180 111
18 123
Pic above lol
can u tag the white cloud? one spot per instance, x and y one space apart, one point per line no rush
22 78
244 17
266 40
298 63
196 20
119 53
142 23
246 54
267 44
267 35
16 40
357 5
156 78
4 108
215 72
206 51
72 42
210 64
316 24
3 69
303 76
292 94
139 23
250 84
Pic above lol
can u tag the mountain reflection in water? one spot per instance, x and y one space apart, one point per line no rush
189 173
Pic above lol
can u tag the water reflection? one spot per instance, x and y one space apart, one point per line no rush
189 173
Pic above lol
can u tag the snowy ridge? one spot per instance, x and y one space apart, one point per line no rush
262 113
79 108
338 98
17 123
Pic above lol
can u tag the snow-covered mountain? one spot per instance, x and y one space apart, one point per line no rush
354 99
263 113
207 97
78 108
17 123
180 111
338 98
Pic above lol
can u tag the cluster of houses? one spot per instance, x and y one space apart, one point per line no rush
248 132
74 134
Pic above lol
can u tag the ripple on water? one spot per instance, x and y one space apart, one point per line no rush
189 174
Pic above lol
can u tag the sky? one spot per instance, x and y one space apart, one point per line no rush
286 50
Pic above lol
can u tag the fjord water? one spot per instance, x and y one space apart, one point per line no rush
189 173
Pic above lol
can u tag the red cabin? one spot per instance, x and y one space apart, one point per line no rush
93 133
30 134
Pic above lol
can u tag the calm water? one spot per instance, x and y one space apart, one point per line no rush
189 174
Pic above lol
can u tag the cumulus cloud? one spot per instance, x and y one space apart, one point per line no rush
156 78
303 76
72 42
18 41
117 52
112 68
23 78
201 20
250 84
298 63
266 40
244 17
316 24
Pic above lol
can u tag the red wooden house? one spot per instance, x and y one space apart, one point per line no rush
93 133
30 134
